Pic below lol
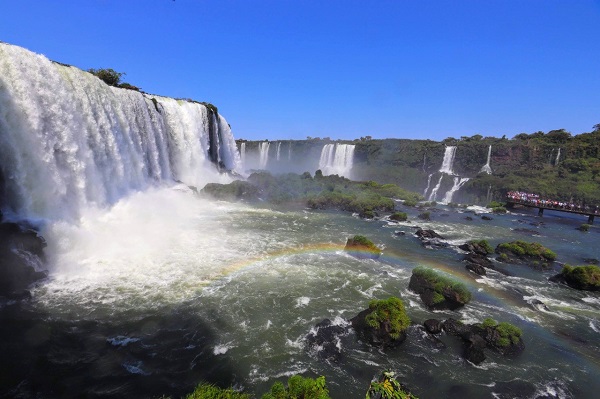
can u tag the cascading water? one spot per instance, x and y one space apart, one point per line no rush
263 149
428 184
290 151
243 154
337 159
69 141
448 161
278 150
557 157
435 189
486 168
458 183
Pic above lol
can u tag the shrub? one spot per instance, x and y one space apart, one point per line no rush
494 204
584 227
209 391
509 333
425 216
499 210
387 387
522 248
390 310
410 202
299 388
399 216
108 75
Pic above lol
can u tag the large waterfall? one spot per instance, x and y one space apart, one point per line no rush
337 159
68 140
448 161
263 149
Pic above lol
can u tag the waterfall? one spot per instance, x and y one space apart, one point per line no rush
68 140
433 193
448 161
458 183
486 168
278 149
337 159
428 184
290 151
557 157
263 149
243 154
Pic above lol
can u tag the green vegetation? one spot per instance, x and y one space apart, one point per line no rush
360 243
410 202
509 333
494 204
522 248
399 216
483 244
321 192
425 216
299 388
582 277
209 391
389 310
112 78
387 387
441 283
584 227
499 210
210 107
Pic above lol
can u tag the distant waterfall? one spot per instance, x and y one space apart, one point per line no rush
243 154
446 169
428 184
290 151
448 161
68 140
337 159
486 168
557 157
458 183
263 149
278 149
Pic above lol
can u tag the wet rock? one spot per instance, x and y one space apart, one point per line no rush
474 346
527 231
325 340
456 328
433 326
591 261
485 217
379 337
476 268
469 218
399 233
21 259
427 234
432 296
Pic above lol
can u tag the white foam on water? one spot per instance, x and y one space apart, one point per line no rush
302 301
121 340
222 349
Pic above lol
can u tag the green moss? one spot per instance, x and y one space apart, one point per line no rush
390 310
299 388
533 249
494 204
399 216
509 333
410 202
499 210
438 298
209 391
425 216
440 282
584 227
586 277
483 244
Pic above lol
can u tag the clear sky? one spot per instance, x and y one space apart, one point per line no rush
288 69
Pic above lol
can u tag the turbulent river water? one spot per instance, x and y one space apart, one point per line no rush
166 289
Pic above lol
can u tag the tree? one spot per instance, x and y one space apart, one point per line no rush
108 75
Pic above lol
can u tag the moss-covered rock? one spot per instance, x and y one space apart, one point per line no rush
362 247
299 387
383 324
438 291
237 190
399 216
520 252
585 278
387 387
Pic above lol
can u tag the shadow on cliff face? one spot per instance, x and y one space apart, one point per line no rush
139 358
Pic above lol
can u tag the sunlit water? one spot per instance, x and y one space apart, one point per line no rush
166 289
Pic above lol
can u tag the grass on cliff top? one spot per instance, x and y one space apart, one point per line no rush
441 282
522 248
390 310
509 333
588 276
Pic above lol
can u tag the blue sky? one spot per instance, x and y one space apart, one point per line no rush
289 69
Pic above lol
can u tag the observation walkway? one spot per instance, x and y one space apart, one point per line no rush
511 202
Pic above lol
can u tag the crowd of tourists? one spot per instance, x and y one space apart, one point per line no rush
534 199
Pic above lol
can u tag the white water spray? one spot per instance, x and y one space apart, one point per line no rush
557 157
278 149
428 184
243 154
448 161
68 141
337 159
263 149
